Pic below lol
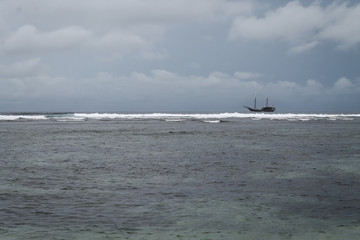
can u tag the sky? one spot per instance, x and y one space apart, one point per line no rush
179 55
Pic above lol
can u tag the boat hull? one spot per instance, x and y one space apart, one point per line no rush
272 109
266 108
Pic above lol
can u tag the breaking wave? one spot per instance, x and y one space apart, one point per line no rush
173 117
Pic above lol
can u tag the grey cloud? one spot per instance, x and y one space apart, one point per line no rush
345 85
291 23
29 39
303 48
343 26
26 68
303 27
164 88
247 75
117 41
112 25
134 12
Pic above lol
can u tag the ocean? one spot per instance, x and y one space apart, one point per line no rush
179 176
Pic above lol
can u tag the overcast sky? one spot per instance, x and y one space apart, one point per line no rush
179 55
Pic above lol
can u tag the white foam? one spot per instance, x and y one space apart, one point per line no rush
176 117
21 117
175 120
218 116
211 121
65 117
69 119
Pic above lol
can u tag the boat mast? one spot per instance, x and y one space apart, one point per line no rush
255 103
266 101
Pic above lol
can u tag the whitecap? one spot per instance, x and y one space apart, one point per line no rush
175 120
177 117
22 117
212 121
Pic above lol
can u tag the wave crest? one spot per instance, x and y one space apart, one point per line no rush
175 117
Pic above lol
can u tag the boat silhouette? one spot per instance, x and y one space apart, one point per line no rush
266 108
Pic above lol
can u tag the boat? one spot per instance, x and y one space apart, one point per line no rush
266 108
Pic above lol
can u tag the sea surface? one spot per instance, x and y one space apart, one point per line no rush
179 176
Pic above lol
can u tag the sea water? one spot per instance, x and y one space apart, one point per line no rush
179 176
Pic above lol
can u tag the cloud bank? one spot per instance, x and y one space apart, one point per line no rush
160 90
303 27
114 26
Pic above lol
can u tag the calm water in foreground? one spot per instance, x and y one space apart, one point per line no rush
113 176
